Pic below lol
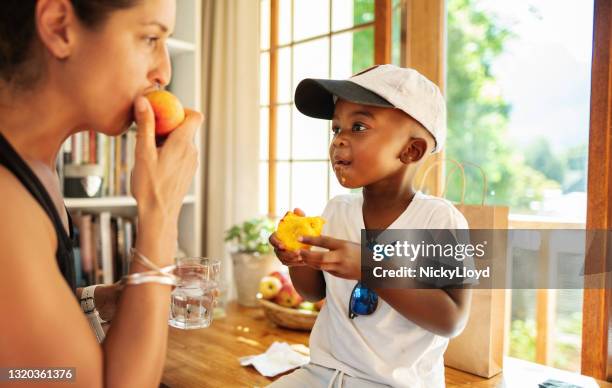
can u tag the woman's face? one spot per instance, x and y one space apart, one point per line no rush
124 57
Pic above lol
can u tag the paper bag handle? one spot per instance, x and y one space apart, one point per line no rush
457 166
484 181
463 178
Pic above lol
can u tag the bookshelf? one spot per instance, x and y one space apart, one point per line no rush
184 49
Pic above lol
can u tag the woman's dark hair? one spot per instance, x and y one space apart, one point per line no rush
18 34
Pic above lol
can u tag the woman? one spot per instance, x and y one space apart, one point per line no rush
65 66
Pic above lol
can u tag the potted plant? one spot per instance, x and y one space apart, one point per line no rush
252 256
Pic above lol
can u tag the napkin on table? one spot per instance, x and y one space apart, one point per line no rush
279 358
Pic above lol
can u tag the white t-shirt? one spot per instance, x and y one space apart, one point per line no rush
383 347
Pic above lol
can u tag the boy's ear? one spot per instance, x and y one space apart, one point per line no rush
414 150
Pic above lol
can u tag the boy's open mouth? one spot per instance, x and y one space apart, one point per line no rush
341 163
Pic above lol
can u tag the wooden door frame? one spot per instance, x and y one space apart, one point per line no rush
425 51
596 304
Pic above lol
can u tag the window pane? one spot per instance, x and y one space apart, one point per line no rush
284 22
396 34
284 75
263 188
309 186
349 13
568 330
311 60
342 56
523 325
309 137
264 27
352 52
283 132
311 18
532 146
264 78
264 130
283 184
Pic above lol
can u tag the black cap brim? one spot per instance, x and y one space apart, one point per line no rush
315 97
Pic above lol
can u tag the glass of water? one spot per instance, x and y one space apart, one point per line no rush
194 298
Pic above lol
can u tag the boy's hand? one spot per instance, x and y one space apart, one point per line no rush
342 260
289 258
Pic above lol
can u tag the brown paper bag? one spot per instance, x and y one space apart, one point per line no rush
479 349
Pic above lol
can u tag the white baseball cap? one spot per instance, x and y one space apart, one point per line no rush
386 86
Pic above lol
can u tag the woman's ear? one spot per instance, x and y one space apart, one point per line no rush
414 150
54 23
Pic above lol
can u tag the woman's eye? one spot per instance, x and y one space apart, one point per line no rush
152 40
357 127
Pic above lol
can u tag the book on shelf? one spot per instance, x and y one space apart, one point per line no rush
115 155
102 248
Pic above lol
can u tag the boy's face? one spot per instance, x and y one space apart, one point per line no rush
368 142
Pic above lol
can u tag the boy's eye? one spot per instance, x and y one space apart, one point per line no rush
335 130
358 127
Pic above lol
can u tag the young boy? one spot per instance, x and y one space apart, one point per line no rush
386 120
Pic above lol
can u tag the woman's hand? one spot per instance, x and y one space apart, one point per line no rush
106 298
162 176
343 258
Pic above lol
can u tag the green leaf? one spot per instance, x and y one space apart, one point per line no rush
252 235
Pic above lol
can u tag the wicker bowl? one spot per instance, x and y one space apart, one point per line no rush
288 317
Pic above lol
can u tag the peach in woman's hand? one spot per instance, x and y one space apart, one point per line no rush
168 111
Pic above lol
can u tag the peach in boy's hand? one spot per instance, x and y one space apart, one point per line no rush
292 226
168 111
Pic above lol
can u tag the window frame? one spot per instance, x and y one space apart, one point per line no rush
596 321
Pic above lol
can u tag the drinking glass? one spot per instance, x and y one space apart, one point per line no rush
194 298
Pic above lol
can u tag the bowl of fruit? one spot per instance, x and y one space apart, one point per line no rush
284 306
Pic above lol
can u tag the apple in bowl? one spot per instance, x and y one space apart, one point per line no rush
269 287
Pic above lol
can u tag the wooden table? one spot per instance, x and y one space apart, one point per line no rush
209 357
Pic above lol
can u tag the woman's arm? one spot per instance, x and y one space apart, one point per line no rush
44 325
138 334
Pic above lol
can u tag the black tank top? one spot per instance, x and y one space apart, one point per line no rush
16 165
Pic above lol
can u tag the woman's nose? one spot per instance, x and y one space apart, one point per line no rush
162 72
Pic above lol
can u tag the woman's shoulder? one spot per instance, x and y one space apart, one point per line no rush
22 217
13 193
